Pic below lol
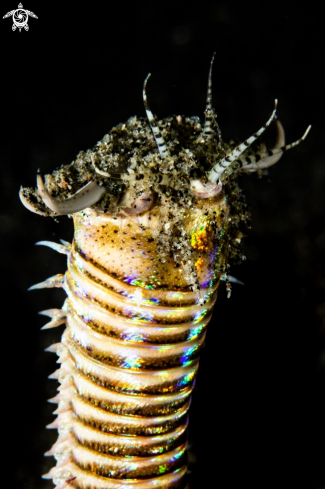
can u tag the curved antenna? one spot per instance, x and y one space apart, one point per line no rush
209 115
222 164
163 150
85 197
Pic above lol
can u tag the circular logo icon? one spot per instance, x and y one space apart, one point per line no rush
20 19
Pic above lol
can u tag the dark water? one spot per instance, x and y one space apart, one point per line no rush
257 415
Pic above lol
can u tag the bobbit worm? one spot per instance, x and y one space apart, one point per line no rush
157 215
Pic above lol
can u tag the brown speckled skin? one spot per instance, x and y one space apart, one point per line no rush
127 246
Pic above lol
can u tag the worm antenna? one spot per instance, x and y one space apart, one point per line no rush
85 197
163 150
222 164
208 131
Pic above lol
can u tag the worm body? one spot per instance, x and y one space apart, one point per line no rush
157 213
129 355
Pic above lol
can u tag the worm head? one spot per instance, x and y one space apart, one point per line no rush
176 177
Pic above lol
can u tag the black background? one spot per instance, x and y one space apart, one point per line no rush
257 418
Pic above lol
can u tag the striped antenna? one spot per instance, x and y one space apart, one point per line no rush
263 160
209 116
222 164
163 150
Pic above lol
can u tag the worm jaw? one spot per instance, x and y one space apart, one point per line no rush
85 197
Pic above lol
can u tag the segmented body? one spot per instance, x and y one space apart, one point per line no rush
153 234
129 355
